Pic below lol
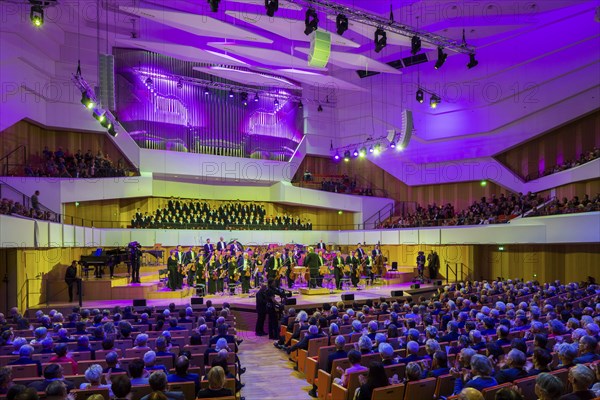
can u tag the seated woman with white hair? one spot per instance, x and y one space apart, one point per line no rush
141 342
480 376
93 376
150 363
581 379
365 345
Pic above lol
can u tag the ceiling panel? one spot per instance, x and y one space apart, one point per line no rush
320 80
266 56
249 77
291 29
355 61
197 24
185 53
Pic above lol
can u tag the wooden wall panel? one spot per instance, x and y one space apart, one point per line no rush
36 137
555 147
591 188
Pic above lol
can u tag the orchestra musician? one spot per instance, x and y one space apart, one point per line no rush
208 247
221 245
235 247
321 246
245 268
421 265
354 262
368 264
289 262
311 261
360 253
273 265
376 251
199 269
222 270
338 265
189 259
259 269
212 269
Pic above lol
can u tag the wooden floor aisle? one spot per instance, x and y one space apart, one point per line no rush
269 374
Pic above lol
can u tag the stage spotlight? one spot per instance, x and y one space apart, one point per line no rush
300 105
483 183
441 58
112 132
377 149
86 101
256 98
149 81
392 145
36 15
341 23
231 94
214 5
415 45
99 117
336 157
434 101
320 108
311 21
347 155
472 61
244 97
371 149
362 152
179 84
355 153
420 96
380 40
206 91
272 6
276 102
106 123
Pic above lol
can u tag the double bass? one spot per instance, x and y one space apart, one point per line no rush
378 265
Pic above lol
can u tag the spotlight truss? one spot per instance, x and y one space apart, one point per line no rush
434 100
370 147
441 58
106 119
380 40
333 8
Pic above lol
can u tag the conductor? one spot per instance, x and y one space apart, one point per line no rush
312 262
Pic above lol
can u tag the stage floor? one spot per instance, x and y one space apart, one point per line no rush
249 301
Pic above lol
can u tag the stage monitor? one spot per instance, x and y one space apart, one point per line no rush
291 301
348 296
394 265
139 302
415 286
437 283
397 293
197 301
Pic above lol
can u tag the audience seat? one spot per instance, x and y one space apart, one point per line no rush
137 392
392 392
423 389
527 386
83 394
490 393
338 392
188 389
24 371
324 380
229 384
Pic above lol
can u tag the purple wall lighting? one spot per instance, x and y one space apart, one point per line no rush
162 105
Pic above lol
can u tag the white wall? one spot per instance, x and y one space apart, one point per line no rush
19 232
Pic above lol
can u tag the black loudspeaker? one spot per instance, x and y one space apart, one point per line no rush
394 265
415 286
397 293
291 301
348 296
197 301
139 303
437 283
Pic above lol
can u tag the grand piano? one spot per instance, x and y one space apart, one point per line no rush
101 258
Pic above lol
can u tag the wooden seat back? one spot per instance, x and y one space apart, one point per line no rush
423 389
392 392
188 389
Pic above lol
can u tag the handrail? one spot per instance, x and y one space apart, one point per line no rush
6 157
376 217
448 270
26 202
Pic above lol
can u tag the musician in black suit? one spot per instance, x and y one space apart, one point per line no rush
72 279
189 257
321 246
273 265
208 248
135 255
376 251
354 263
289 262
433 264
221 244
235 247
338 265
360 253
245 268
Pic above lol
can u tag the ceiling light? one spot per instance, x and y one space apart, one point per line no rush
362 152
355 153
336 157
106 123
99 117
149 81
420 96
256 98
441 58
180 83
112 131
276 102
231 94
415 45
87 101
347 155
206 91
311 21
341 23
300 105
371 149
214 5
392 145
320 108
244 97
483 183
36 15
272 6
380 40
377 149
472 61
434 101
